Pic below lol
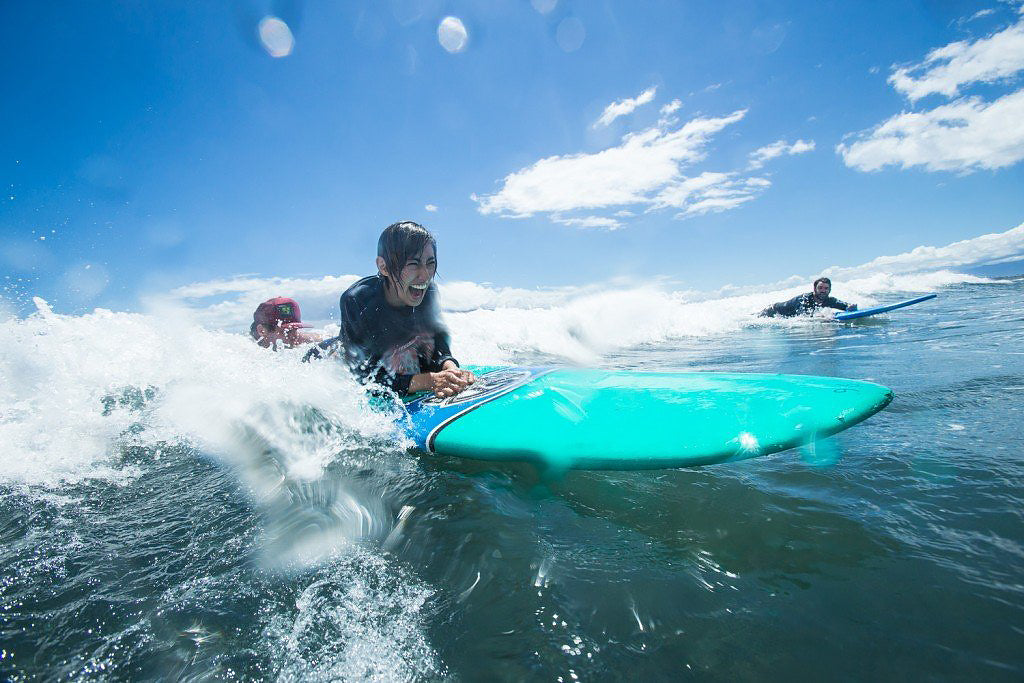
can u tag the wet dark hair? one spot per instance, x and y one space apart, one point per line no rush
252 331
398 242
822 279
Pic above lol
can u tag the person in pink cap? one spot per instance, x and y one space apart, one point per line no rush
280 320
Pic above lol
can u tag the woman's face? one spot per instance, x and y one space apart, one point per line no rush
410 286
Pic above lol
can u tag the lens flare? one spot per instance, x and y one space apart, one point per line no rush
276 37
451 33
570 34
85 282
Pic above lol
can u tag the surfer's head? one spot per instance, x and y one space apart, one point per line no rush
278 320
407 262
822 287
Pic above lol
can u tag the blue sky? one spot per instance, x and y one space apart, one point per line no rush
146 146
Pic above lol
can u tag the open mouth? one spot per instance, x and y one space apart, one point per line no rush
417 291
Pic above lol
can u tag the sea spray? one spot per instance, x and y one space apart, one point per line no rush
80 393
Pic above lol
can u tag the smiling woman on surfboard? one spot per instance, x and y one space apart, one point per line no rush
391 329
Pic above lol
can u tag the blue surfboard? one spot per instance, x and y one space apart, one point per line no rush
850 315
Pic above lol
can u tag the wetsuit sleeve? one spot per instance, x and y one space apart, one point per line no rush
353 335
786 309
833 302
442 351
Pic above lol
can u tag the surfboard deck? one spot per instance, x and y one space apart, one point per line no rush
875 310
570 418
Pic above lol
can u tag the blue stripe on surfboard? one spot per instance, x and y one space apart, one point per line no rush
429 415
882 309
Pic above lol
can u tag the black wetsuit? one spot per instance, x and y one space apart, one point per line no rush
804 304
385 344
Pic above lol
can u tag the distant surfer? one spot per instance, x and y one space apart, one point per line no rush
806 304
391 329
279 320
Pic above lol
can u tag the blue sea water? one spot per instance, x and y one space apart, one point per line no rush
210 511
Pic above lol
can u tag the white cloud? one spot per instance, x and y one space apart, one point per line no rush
645 169
710 193
777 149
430 207
624 107
589 222
994 248
671 108
229 303
947 68
965 135
981 13
645 172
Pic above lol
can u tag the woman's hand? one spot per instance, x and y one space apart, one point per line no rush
450 380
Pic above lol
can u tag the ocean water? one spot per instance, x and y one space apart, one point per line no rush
177 504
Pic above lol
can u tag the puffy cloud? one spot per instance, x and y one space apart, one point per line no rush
671 108
993 248
965 135
645 172
777 149
644 169
947 68
624 107
710 193
229 303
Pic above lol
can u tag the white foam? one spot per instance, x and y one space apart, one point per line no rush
59 374
582 326
362 619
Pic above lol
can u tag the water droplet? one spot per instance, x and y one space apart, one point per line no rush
276 37
451 33
570 34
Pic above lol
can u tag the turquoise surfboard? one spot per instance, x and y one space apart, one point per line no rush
569 418
882 309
